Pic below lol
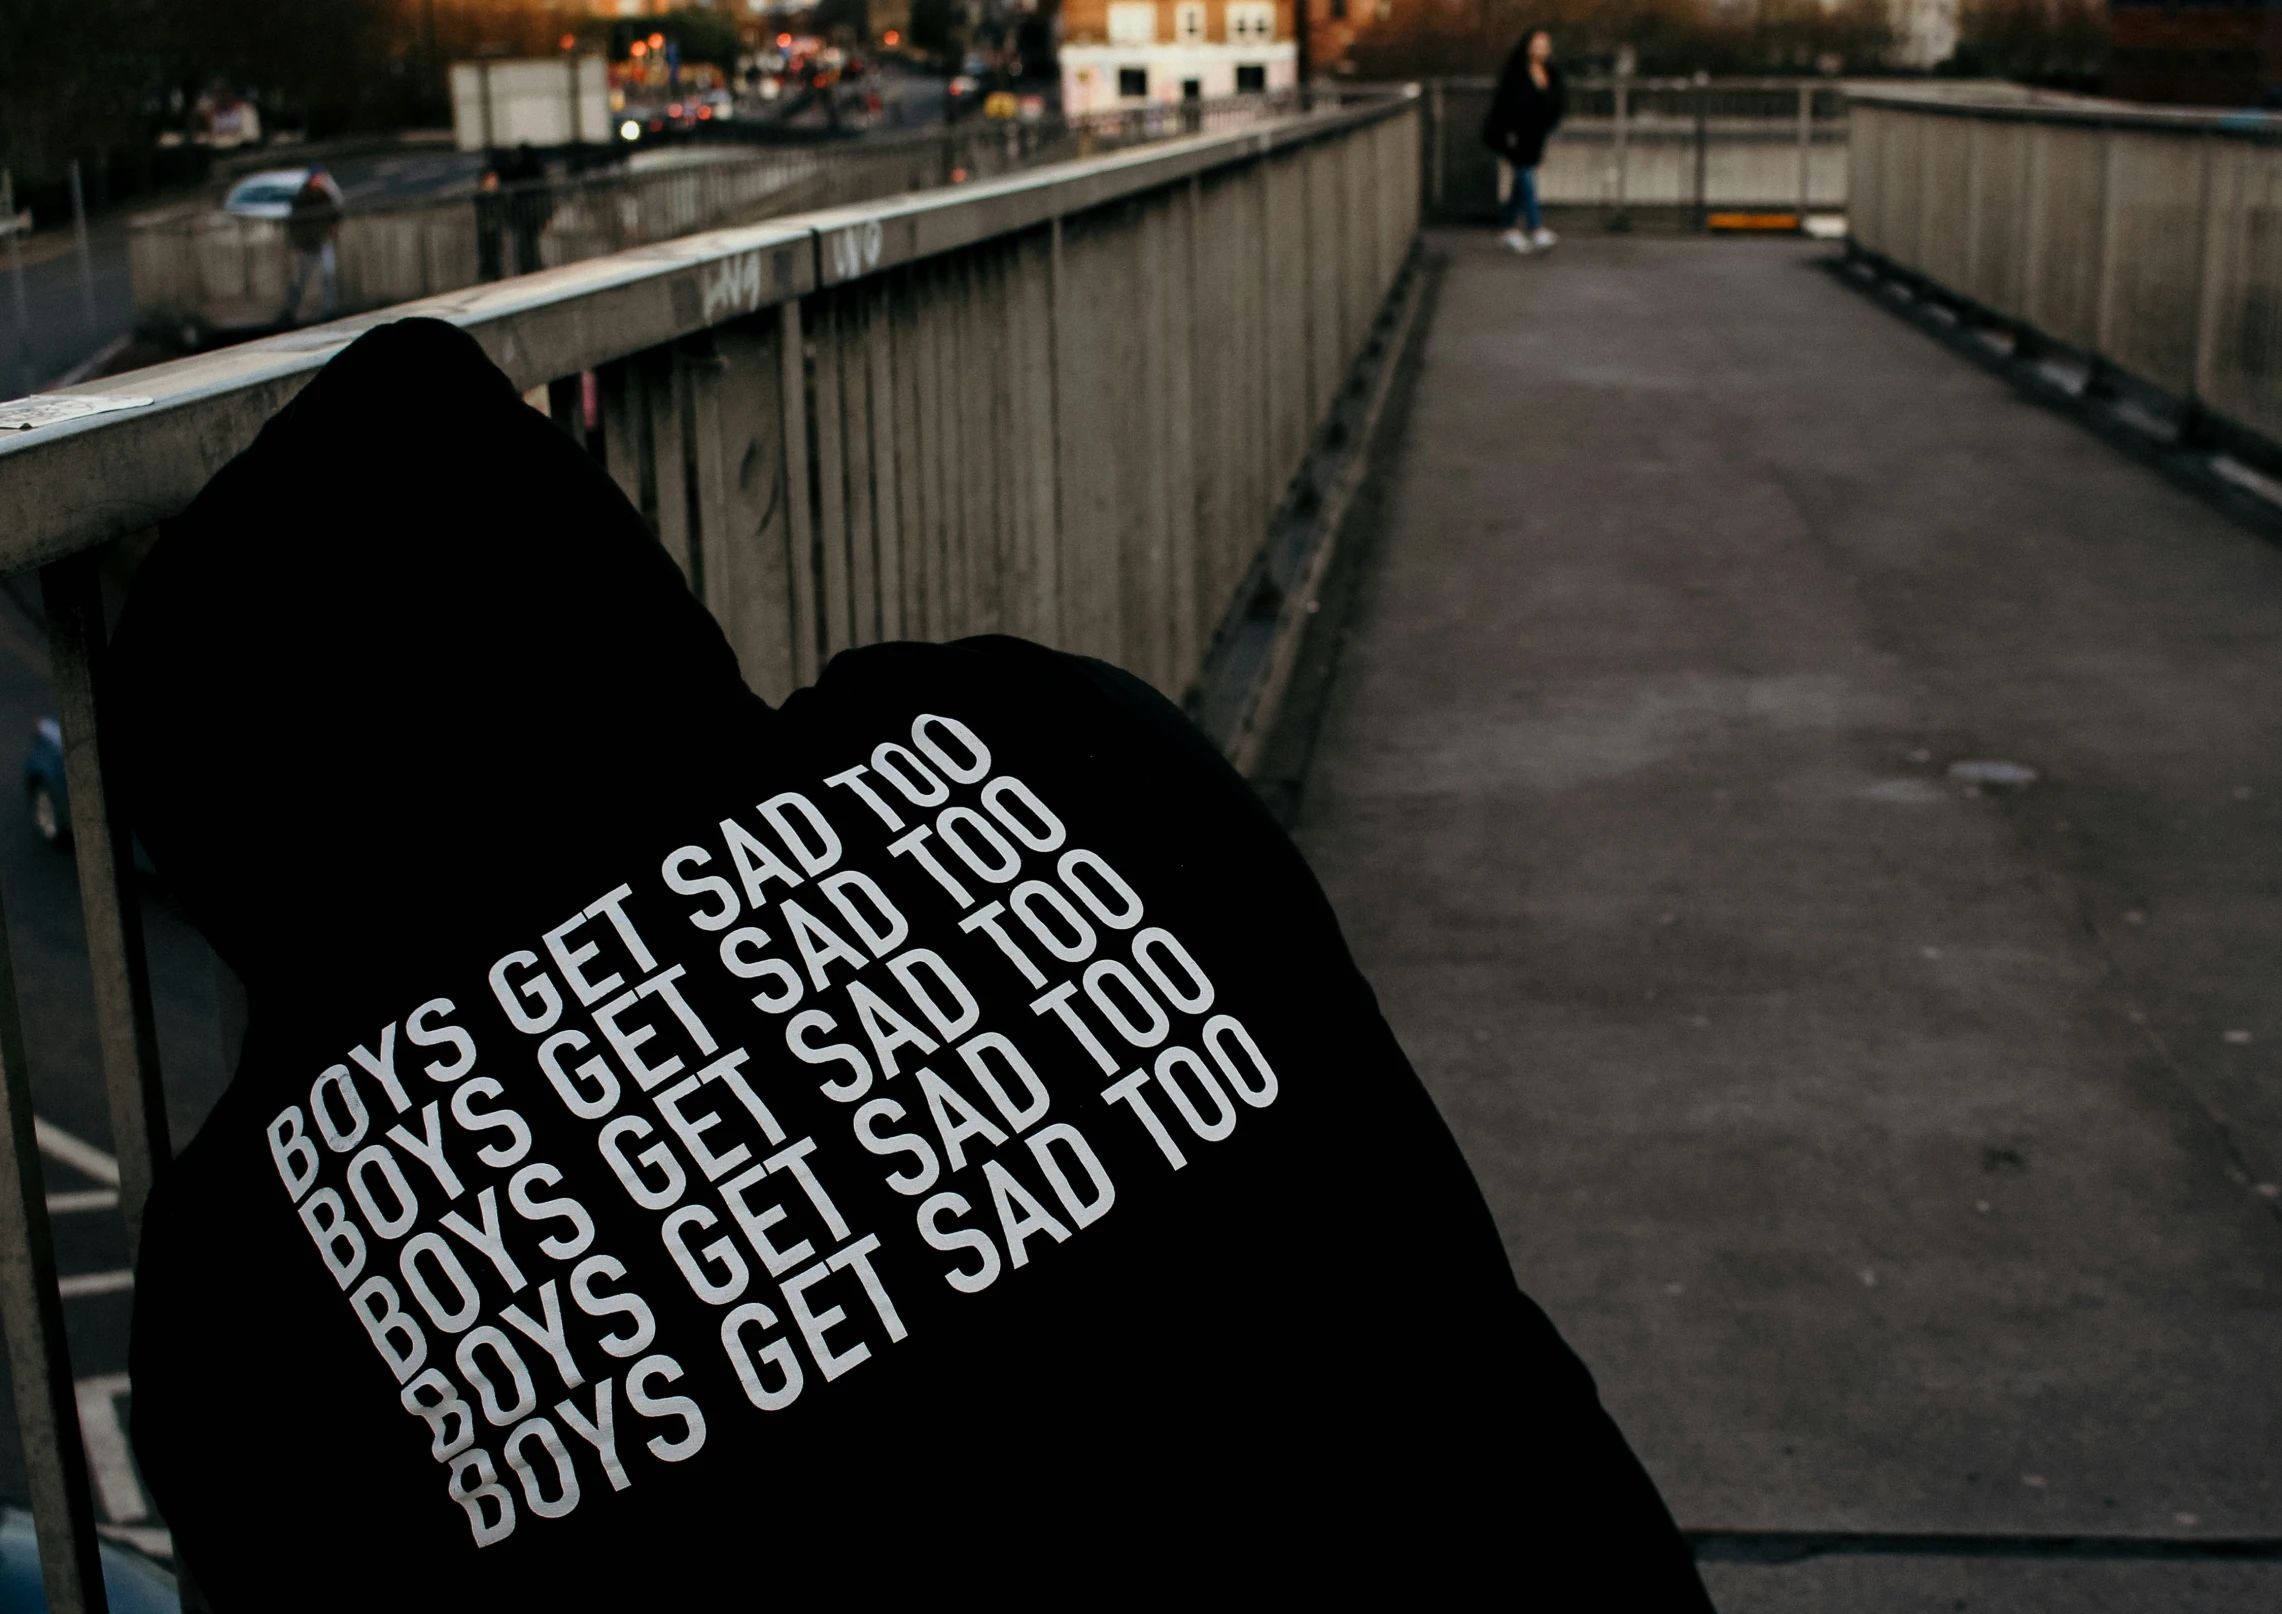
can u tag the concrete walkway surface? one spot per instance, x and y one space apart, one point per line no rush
1900 1151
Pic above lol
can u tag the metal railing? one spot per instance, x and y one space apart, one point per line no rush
2146 240
1638 145
197 271
1062 404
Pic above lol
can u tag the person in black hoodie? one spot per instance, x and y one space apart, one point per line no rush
1530 101
925 1139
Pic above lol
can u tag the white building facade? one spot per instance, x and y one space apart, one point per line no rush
1144 59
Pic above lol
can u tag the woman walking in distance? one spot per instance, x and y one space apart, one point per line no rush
1530 100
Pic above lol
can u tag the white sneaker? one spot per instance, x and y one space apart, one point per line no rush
1543 238
1517 240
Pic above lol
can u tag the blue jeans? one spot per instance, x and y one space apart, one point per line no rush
1521 202
326 262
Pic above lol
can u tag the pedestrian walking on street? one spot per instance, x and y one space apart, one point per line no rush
529 205
511 196
310 232
490 227
1531 99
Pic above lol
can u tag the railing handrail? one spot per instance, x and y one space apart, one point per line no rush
2129 239
2078 111
1632 81
739 157
71 486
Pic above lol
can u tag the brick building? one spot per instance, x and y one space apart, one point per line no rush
1121 52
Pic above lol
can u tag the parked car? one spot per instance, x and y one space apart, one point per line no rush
132 1583
43 783
266 195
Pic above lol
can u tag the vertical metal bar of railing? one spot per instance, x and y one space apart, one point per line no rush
39 1359
2032 244
2191 423
1056 608
1437 161
79 239
1975 189
127 1034
1703 146
8 222
1921 228
2103 259
1806 146
800 528
1623 148
124 1025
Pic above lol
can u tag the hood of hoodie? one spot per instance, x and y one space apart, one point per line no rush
402 657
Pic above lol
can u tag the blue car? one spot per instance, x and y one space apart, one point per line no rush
43 783
134 1583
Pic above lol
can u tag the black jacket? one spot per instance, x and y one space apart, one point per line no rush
1521 115
928 1135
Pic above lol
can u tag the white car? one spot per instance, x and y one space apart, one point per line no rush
268 194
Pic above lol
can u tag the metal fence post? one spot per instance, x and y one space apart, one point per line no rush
2031 256
1703 143
1806 146
2103 272
79 237
1623 219
1435 160
800 525
1974 188
39 1358
124 1026
16 274
2191 423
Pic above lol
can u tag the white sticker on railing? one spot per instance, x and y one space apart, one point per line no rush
53 408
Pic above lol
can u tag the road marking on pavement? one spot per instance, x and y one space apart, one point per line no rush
81 1156
109 1463
83 1199
144 1538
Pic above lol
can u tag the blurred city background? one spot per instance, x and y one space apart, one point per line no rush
114 110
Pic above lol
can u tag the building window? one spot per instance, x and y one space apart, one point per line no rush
1133 81
1338 10
1251 80
1192 89
1133 22
1251 22
1188 22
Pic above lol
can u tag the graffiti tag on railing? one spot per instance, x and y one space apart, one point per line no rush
733 286
855 249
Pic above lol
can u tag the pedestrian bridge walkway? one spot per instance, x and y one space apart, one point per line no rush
1899 1150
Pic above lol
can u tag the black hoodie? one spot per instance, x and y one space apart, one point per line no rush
926 1138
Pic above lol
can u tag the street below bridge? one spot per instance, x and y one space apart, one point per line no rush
47 948
1897 1137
